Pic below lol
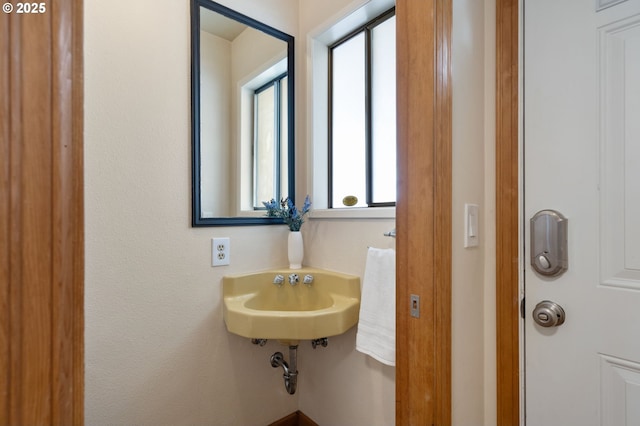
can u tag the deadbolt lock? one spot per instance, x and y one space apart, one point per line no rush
548 314
549 243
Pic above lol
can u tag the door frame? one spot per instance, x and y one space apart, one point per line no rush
42 216
507 213
423 211
507 223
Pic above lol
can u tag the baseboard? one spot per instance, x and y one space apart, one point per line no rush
295 419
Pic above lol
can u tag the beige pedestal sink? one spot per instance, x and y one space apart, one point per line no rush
256 307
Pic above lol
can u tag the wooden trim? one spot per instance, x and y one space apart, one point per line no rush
423 212
294 419
303 420
77 72
5 209
41 218
507 221
443 206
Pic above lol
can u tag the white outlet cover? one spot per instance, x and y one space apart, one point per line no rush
220 251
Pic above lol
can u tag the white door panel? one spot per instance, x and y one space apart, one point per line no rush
582 158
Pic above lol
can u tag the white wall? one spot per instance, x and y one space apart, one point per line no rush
468 79
157 351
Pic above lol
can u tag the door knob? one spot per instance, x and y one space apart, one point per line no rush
548 314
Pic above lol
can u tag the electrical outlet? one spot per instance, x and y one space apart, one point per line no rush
220 251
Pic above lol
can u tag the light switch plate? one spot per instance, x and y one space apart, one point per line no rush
220 251
471 238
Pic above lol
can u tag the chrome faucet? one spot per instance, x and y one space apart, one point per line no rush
308 279
278 280
293 279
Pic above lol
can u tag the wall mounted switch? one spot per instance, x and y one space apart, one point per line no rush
471 238
220 251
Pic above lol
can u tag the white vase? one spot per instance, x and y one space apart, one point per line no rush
295 249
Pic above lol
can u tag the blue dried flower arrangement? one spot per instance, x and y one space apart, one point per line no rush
285 210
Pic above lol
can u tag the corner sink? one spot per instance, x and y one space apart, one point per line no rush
256 308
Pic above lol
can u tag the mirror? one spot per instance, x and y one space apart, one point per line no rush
242 113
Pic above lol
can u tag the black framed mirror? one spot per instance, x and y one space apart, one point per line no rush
242 116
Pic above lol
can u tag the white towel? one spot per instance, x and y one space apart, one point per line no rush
376 335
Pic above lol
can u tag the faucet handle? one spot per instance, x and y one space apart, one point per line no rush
278 280
308 279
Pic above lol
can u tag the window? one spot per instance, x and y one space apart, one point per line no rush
362 116
270 175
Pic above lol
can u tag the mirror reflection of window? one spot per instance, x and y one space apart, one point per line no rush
270 142
265 145
363 115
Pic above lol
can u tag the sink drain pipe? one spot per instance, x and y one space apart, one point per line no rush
290 370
